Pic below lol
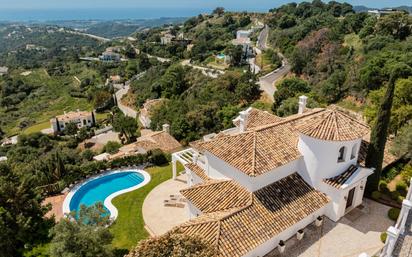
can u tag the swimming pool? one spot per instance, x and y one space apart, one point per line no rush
104 188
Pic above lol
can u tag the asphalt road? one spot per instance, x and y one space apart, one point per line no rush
263 37
267 82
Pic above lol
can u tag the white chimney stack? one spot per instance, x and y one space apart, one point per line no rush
166 128
243 120
302 103
195 158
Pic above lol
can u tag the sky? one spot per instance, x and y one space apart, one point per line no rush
200 4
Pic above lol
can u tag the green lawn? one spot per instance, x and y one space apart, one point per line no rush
37 128
128 228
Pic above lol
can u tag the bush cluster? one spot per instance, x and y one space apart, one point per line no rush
393 213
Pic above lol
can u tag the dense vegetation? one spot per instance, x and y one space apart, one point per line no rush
337 56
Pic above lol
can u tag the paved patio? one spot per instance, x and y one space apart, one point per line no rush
158 218
57 206
359 231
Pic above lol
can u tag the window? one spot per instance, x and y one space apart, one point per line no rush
353 153
341 157
84 122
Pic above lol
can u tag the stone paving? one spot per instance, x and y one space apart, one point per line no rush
359 231
159 218
56 204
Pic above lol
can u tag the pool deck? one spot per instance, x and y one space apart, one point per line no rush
57 206
159 218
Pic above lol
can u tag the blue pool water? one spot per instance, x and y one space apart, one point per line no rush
99 189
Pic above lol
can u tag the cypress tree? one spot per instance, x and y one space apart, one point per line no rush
374 157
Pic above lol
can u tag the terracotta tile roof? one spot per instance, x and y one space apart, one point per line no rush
340 180
269 211
201 173
217 195
155 140
257 151
257 118
73 115
333 125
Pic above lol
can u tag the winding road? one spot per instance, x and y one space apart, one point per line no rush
123 91
267 82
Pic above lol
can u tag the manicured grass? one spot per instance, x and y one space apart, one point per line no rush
37 128
128 228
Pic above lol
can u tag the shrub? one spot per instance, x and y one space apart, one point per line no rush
383 186
395 195
384 235
406 173
112 147
400 199
402 188
376 195
393 213
157 157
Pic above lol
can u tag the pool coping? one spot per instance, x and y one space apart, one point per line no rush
108 201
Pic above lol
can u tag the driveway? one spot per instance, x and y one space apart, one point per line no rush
357 232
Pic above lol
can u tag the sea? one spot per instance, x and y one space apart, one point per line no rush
101 13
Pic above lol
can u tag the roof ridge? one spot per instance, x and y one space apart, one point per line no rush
335 121
207 183
287 120
254 155
341 112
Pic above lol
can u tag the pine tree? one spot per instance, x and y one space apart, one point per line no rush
374 157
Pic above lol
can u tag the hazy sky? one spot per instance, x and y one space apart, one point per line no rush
228 4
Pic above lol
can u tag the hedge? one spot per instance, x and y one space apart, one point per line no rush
393 213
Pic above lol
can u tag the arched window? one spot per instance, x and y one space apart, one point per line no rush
353 153
341 157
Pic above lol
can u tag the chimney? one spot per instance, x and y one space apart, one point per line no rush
243 120
166 128
302 104
195 158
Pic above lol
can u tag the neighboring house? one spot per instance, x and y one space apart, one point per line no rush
154 140
80 118
383 12
4 70
166 39
144 115
242 39
269 177
109 56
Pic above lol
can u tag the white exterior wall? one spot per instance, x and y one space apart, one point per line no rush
321 157
219 169
272 243
193 211
337 208
80 122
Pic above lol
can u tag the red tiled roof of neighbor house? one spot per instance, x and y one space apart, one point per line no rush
237 226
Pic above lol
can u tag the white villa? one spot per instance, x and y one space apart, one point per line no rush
262 181
80 118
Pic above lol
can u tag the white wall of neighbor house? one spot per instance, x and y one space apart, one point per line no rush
321 157
219 169
269 245
192 179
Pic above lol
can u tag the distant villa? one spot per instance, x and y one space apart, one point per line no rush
80 118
